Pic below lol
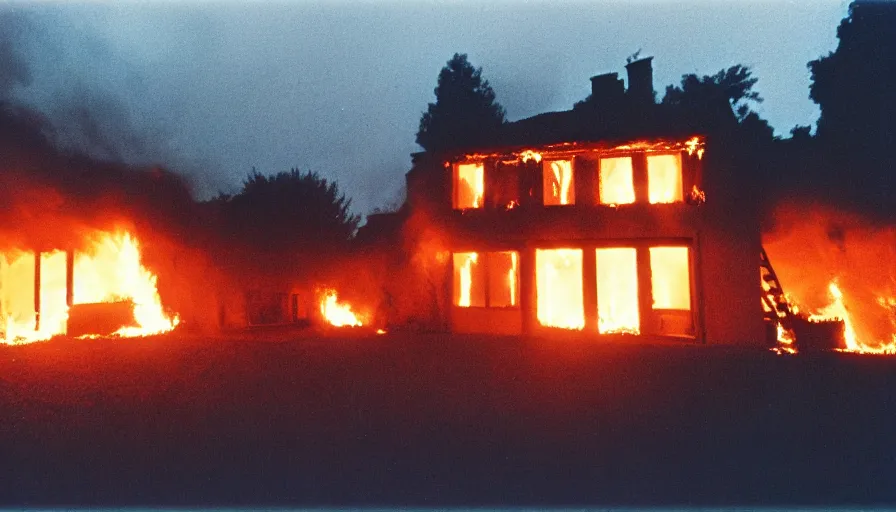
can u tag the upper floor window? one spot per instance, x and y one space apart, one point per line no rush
469 185
558 182
616 183
664 178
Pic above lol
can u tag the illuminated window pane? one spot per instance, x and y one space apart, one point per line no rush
469 285
670 274
616 182
558 285
664 178
469 186
503 279
617 291
559 187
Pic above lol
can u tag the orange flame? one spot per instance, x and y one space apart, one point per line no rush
338 314
109 270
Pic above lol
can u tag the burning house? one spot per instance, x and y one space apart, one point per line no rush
620 218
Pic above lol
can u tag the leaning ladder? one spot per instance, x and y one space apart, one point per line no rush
774 303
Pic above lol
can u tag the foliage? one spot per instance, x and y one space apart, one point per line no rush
289 210
734 84
465 111
853 85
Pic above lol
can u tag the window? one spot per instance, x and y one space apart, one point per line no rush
617 291
559 188
616 181
558 286
474 271
469 185
671 281
503 279
664 178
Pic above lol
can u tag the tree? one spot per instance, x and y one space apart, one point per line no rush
289 210
853 85
465 111
853 88
734 86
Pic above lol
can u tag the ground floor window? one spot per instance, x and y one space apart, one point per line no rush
617 291
486 279
558 288
670 278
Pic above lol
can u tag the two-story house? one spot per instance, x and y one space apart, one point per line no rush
621 218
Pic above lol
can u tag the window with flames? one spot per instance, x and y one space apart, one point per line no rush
486 279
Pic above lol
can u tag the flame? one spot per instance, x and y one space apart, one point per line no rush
108 270
558 276
697 196
617 291
695 145
558 180
664 183
511 277
337 314
469 186
527 155
464 263
617 184
837 265
837 310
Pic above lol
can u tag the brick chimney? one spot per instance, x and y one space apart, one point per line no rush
640 80
606 87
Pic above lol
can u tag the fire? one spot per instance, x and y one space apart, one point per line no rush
837 310
617 291
560 299
511 277
527 155
337 314
469 186
617 184
837 266
465 262
558 180
108 270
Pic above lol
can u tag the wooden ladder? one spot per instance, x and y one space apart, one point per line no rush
774 303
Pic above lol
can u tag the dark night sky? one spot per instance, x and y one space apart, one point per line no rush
213 89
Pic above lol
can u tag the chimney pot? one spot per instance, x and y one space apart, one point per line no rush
607 86
640 80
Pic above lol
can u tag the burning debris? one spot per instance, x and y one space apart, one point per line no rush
838 270
46 294
338 314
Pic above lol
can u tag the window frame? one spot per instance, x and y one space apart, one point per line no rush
486 258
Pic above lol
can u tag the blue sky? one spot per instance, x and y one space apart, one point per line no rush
215 88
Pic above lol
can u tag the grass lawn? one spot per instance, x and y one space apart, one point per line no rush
399 419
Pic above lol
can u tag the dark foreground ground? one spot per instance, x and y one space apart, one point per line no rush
440 420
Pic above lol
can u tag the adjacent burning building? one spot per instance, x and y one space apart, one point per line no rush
619 218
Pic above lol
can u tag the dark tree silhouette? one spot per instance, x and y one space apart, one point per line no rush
465 111
853 86
289 210
734 85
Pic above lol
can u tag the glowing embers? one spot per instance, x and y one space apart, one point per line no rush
107 270
338 314
558 282
558 183
617 291
499 270
664 178
469 186
616 181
